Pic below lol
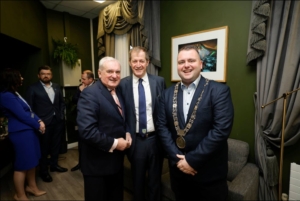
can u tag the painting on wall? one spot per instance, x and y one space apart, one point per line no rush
212 48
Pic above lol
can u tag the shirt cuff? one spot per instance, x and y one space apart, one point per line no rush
113 146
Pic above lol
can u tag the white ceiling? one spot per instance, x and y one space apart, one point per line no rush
87 8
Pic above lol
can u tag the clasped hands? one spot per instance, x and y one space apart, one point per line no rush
124 143
184 166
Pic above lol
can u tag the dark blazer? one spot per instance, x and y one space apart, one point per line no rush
41 104
18 112
206 142
99 122
157 85
76 96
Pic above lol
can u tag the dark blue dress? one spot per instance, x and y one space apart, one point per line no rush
23 131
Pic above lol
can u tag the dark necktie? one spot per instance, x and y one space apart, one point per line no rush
142 109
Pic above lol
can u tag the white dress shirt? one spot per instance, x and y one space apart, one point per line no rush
49 90
146 84
188 94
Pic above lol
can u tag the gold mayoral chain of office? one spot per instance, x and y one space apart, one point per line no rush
180 142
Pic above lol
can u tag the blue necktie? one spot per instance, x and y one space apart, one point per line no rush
142 109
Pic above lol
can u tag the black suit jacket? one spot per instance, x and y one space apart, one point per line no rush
76 96
99 123
157 85
41 104
206 142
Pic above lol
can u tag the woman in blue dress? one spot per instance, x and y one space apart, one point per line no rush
23 128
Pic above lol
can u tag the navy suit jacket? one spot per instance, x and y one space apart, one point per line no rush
18 113
206 142
41 104
157 85
99 123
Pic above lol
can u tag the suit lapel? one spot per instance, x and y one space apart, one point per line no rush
153 87
56 94
180 107
196 96
131 96
108 96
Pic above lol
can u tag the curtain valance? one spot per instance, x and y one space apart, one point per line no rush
117 18
140 20
261 13
120 16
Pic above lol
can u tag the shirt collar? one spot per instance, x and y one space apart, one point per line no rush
195 83
136 79
92 83
45 85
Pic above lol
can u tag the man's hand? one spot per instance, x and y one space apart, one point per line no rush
42 128
184 166
128 139
82 87
122 144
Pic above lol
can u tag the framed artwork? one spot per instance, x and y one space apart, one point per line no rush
212 48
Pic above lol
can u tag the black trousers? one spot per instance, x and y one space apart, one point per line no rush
104 188
79 151
188 187
146 160
50 144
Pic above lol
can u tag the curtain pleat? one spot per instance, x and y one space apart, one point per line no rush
110 45
121 53
257 42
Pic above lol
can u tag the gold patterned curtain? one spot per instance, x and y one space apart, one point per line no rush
140 19
117 18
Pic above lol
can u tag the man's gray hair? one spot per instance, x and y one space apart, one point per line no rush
104 60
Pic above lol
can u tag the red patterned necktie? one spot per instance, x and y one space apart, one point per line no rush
114 95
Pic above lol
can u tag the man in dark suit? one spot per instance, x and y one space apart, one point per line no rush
145 154
194 121
102 131
46 100
87 79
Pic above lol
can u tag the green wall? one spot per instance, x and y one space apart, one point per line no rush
77 31
29 22
24 22
96 58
